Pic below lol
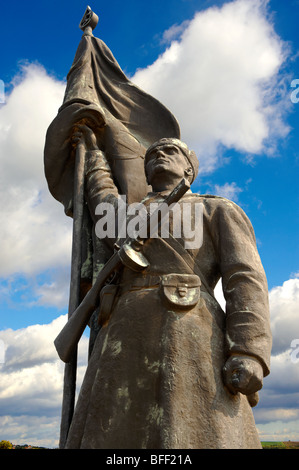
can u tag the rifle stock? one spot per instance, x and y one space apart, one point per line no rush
71 333
129 254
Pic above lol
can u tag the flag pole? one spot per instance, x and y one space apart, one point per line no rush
70 370
87 24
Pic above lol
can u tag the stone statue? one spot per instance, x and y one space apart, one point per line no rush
168 368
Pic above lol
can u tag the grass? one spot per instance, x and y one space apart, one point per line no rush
280 445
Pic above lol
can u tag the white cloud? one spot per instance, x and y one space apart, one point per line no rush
277 415
33 430
35 234
281 387
174 32
284 301
54 292
220 81
32 377
215 78
32 382
29 109
279 431
30 346
228 190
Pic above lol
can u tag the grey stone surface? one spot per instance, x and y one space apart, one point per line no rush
168 368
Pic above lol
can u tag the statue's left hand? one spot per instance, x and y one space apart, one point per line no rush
85 135
243 374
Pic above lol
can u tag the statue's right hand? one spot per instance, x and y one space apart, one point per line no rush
85 135
243 374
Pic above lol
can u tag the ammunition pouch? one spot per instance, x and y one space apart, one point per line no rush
181 290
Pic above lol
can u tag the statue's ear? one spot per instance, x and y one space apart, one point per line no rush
194 163
189 173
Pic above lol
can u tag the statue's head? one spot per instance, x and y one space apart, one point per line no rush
170 155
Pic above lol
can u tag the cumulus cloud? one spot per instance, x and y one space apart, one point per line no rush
278 415
220 80
54 292
281 386
35 234
24 119
279 431
284 301
228 190
218 76
32 382
39 431
32 377
30 346
174 32
34 231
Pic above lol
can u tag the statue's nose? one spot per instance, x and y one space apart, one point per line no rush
160 153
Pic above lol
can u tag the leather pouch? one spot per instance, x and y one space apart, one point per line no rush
181 290
107 296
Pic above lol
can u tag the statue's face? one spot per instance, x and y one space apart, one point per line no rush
167 158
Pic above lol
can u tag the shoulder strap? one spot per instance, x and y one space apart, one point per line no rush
189 261
192 264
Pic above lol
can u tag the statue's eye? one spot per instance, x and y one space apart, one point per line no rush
171 150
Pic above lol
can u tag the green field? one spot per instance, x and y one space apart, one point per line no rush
280 445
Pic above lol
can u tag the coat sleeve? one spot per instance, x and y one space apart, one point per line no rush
100 189
244 285
99 184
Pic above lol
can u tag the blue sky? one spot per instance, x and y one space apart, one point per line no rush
225 69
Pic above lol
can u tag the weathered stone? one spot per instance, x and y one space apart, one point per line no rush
168 369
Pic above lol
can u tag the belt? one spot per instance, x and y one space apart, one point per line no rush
141 283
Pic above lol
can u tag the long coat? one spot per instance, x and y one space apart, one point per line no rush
154 379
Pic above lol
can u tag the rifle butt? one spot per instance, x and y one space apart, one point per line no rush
67 340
